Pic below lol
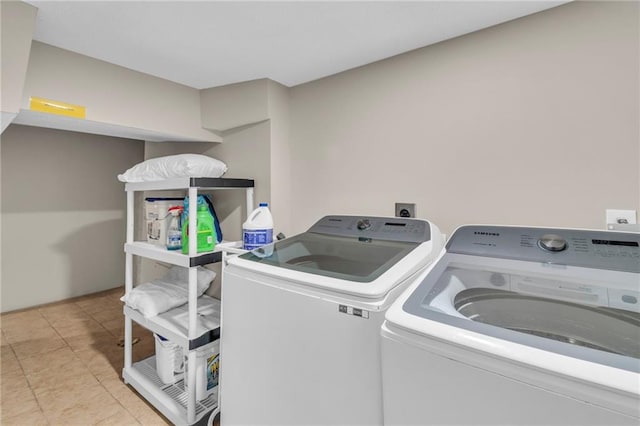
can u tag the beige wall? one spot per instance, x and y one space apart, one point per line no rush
63 214
146 270
17 21
535 121
238 111
246 151
130 101
234 105
242 114
280 159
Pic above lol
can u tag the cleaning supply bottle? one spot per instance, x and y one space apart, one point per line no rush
206 231
257 231
174 233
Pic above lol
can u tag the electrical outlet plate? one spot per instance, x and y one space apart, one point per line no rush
405 210
620 216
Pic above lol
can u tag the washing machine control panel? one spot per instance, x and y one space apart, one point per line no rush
375 228
619 251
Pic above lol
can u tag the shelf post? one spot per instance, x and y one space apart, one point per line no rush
193 217
130 216
128 282
128 327
193 304
193 272
191 383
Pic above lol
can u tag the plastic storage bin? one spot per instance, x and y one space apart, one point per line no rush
207 370
169 359
157 216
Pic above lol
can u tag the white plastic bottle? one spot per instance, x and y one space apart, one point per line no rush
257 231
174 233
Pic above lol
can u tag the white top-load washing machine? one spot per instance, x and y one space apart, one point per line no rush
300 332
516 325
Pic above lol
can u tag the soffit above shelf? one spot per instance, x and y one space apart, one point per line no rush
51 121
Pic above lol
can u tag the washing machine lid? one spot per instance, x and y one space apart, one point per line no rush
502 283
351 254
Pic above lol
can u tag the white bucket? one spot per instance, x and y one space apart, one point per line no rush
169 359
257 231
207 370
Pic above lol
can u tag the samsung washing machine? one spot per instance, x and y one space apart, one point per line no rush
300 332
517 325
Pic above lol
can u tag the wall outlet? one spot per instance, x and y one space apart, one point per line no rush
405 210
620 216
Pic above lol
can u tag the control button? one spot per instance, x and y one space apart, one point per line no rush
552 242
364 224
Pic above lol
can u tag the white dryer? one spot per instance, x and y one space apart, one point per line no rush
300 332
517 325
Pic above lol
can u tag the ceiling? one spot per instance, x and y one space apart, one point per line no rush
205 44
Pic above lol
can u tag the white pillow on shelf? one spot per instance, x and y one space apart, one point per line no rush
168 292
180 275
174 166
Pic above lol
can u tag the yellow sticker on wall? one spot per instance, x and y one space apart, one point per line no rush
56 107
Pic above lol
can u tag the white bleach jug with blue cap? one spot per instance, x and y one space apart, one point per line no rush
257 231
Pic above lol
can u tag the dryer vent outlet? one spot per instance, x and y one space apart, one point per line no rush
405 210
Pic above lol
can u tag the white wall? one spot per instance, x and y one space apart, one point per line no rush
63 214
535 121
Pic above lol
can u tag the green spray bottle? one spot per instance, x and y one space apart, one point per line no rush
205 229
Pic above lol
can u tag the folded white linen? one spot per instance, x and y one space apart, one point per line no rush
168 292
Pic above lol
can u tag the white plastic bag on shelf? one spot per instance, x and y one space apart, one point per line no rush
168 292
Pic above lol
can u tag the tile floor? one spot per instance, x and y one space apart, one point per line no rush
61 365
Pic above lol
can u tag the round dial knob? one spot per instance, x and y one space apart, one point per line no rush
363 224
552 242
